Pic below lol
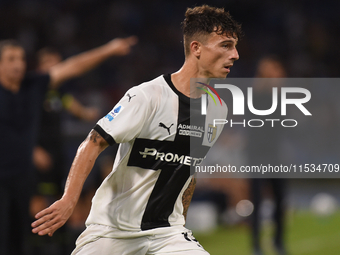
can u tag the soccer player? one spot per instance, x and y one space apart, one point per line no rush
140 207
21 98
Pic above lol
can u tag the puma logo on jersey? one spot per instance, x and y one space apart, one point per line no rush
128 95
161 124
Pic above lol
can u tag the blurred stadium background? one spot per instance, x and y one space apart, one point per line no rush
304 34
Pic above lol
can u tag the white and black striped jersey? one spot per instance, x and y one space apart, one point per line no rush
159 141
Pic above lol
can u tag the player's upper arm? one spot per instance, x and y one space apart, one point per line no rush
94 139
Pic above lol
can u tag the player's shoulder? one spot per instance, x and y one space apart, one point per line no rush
218 107
222 108
151 89
224 105
154 85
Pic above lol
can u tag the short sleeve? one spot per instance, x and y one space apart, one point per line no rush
126 120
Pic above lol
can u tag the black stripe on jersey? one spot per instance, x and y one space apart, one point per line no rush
168 157
174 174
163 197
182 98
105 135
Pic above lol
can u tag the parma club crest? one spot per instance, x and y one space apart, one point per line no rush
211 132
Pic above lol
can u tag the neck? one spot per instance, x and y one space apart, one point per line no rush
12 86
181 79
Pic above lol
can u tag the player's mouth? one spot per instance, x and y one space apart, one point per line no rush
227 68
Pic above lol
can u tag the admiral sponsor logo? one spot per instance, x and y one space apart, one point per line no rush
190 130
110 116
171 157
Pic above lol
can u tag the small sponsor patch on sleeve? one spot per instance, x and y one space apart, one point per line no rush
114 113
109 117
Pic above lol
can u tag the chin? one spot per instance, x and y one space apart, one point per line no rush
218 75
222 76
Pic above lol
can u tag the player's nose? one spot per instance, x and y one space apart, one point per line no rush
234 55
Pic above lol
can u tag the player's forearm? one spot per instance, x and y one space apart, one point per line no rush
82 165
187 196
88 60
80 111
79 64
55 216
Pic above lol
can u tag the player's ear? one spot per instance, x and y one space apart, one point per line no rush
195 48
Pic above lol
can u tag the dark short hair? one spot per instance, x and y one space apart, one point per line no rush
8 42
47 51
203 20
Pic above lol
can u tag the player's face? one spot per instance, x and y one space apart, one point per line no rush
217 56
12 63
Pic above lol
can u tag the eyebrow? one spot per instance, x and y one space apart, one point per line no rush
229 41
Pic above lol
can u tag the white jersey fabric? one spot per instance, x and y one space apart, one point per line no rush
153 124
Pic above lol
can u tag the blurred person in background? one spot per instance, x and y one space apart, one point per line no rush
21 99
46 59
263 148
141 206
48 155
